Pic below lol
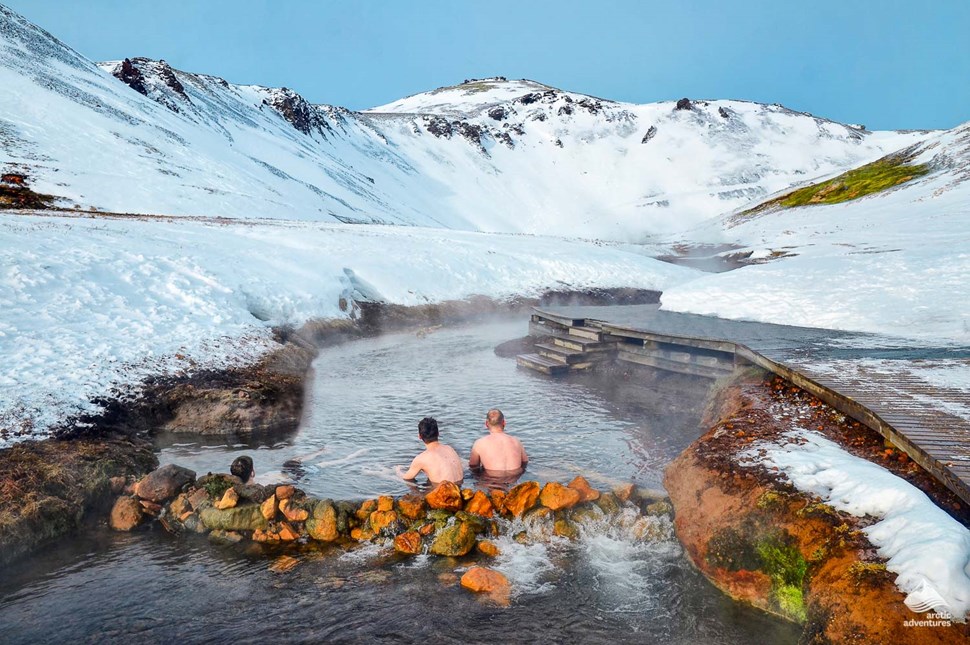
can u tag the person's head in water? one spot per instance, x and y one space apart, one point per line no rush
242 467
428 429
495 419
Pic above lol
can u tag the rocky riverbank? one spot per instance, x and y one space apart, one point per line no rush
48 487
765 543
449 521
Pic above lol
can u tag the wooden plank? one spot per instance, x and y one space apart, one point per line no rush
568 321
704 343
540 364
586 332
669 366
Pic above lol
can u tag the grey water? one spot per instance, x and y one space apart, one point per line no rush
367 397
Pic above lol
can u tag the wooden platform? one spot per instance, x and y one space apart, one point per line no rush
886 384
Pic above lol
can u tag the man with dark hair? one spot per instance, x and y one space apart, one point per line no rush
439 461
242 467
498 452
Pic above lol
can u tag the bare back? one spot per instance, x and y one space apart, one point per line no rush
498 451
439 462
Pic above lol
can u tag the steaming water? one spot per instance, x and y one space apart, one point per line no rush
621 581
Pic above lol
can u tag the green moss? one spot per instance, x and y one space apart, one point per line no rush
871 178
786 567
818 509
867 573
770 499
216 487
791 601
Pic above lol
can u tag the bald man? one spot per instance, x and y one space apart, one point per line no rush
497 451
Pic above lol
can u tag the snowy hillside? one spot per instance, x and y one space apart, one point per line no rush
896 262
494 155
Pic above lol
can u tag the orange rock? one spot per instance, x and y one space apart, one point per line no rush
409 542
368 507
411 506
385 503
521 498
482 580
498 499
480 504
293 513
126 514
287 532
186 515
361 535
624 492
557 497
487 547
180 505
284 492
427 529
259 535
587 492
268 508
446 496
466 494
229 500
380 520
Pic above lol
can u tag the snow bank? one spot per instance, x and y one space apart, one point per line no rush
92 306
927 549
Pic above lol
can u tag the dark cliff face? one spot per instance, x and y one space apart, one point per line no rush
131 76
154 79
296 110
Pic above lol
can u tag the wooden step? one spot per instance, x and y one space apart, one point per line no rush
559 354
541 364
584 345
587 332
567 321
564 339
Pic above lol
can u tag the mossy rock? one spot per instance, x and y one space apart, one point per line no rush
455 540
241 518
608 503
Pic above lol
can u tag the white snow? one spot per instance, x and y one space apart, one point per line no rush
926 548
896 263
90 307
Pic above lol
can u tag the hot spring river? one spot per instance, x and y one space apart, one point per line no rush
367 398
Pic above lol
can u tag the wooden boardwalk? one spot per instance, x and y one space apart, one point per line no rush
899 388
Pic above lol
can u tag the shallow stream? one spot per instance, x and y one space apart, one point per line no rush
367 398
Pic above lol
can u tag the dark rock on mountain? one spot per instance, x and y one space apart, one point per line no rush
651 133
498 113
684 104
724 113
590 105
295 109
439 126
131 76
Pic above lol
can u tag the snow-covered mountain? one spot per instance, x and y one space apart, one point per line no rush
488 155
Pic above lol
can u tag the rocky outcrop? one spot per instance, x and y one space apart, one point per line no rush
764 543
48 488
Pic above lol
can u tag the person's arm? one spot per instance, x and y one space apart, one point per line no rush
525 457
474 459
413 471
